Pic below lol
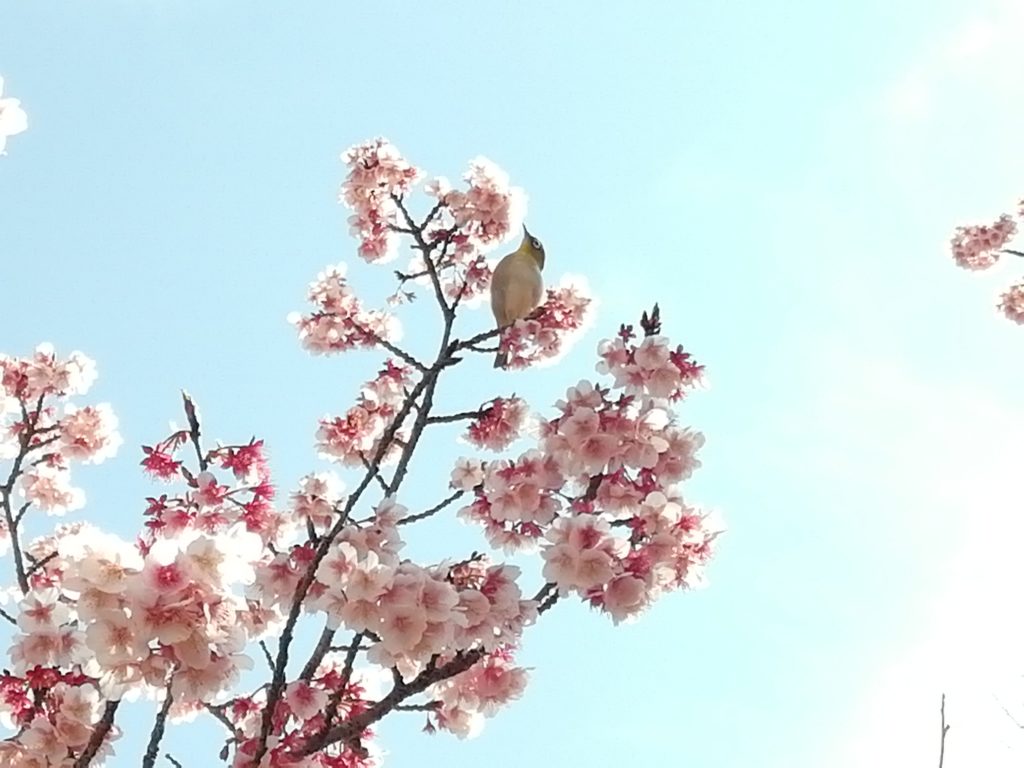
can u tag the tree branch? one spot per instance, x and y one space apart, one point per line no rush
12 530
321 649
193 428
302 588
433 510
99 733
462 416
356 725
346 674
153 749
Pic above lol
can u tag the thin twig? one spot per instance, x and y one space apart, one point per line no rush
433 510
193 428
462 416
218 712
945 730
376 472
173 762
266 655
40 564
7 616
397 352
429 706
1013 252
12 530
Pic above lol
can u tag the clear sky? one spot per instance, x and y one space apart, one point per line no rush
781 177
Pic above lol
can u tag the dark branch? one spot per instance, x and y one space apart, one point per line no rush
193 428
302 588
38 565
322 647
159 725
356 725
463 416
346 674
433 510
99 733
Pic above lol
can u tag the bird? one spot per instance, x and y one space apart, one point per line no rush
517 286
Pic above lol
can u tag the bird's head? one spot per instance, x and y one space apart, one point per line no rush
532 247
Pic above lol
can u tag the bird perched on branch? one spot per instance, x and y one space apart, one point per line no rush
517 286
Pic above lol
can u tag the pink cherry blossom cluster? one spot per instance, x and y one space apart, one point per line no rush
208 505
317 499
303 712
339 322
499 424
651 368
43 432
488 211
416 612
141 615
1012 303
516 500
624 454
54 713
466 281
377 173
545 334
479 692
353 438
980 246
977 246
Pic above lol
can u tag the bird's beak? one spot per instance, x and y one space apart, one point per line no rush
526 232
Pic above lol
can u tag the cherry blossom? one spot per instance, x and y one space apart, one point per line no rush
353 438
1012 303
499 423
490 209
477 693
977 247
48 486
544 336
376 173
339 322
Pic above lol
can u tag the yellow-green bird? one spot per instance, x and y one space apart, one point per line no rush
517 286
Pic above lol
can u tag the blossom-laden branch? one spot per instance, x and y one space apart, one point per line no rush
979 246
222 566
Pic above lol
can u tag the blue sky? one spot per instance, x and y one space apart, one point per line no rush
782 178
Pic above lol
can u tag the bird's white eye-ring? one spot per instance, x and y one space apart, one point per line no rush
536 244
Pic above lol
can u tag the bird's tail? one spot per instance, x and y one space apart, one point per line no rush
501 359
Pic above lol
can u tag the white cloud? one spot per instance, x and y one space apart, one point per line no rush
982 56
951 456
